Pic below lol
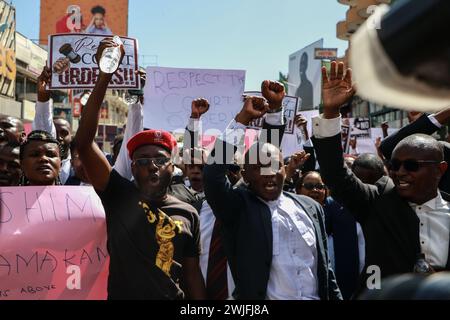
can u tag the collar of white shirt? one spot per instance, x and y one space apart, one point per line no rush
433 204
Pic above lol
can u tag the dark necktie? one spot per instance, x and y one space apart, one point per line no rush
216 277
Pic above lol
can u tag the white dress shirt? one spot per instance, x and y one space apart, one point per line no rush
207 221
434 217
293 272
135 124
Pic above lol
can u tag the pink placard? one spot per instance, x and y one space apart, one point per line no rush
52 244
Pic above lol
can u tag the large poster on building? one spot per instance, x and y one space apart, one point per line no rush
101 17
305 79
7 49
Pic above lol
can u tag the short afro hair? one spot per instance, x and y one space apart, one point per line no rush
98 9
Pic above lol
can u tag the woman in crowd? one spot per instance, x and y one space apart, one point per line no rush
346 244
40 159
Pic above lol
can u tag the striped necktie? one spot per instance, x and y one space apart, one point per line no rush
216 278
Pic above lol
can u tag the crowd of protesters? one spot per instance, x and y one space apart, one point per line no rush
226 224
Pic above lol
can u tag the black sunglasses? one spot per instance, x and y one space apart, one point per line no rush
158 162
409 165
312 186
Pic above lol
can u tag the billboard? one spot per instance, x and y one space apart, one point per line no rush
305 78
8 67
101 17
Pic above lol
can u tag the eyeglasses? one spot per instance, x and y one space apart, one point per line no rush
312 186
158 162
409 165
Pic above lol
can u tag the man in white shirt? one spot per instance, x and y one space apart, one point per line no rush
401 217
276 242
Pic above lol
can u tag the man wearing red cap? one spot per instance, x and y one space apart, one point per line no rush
153 238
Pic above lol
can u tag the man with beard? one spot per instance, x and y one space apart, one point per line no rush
153 238
403 217
275 241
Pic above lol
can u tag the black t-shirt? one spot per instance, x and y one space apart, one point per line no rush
146 243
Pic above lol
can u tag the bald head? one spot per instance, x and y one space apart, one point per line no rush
11 129
416 167
424 145
369 168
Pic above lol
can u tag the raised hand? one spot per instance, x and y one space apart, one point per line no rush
297 161
254 108
199 107
61 65
108 43
413 116
378 143
301 122
43 80
274 92
385 127
337 89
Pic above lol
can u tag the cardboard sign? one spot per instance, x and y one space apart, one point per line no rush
52 244
74 65
169 93
293 143
290 105
325 53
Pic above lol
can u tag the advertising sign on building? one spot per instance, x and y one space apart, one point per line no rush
101 17
7 49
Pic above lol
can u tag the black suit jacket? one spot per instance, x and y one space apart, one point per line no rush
247 235
421 125
390 226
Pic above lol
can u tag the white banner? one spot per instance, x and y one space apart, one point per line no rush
74 65
170 91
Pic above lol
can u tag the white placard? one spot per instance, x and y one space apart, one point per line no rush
78 51
292 143
169 93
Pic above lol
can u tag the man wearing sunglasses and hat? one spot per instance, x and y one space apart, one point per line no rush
402 217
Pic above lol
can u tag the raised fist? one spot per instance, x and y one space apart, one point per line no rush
199 107
61 65
300 121
43 80
254 108
274 92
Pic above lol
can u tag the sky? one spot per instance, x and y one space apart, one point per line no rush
253 35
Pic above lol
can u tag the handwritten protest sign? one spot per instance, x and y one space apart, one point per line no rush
293 143
74 65
52 244
169 93
290 105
